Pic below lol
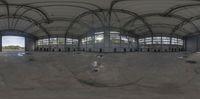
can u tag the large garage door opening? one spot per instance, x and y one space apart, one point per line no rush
13 44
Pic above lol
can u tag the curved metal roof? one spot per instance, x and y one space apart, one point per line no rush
74 18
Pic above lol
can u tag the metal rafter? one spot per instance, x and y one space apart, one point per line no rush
4 1
17 33
29 9
114 2
94 12
181 24
162 26
113 10
182 19
58 5
178 7
72 2
62 20
39 7
26 19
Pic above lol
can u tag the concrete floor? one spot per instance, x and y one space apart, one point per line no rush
42 75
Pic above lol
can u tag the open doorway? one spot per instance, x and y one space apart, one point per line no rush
13 44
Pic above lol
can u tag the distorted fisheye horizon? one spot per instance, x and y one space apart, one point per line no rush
99 49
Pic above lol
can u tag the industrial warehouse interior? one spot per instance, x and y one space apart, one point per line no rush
99 49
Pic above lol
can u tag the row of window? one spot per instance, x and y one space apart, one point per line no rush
115 38
160 40
57 41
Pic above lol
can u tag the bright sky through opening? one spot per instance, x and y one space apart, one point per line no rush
13 40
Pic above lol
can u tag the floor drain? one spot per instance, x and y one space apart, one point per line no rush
191 62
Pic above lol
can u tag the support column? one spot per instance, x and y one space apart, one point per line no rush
0 43
29 44
79 44
198 49
106 41
162 50
137 44
65 45
49 44
185 44
120 42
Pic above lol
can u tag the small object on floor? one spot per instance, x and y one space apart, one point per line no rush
191 62
27 53
96 66
99 56
20 54
95 70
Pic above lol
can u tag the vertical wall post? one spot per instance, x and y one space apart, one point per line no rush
79 44
26 43
0 43
29 44
107 41
137 43
185 44
197 42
